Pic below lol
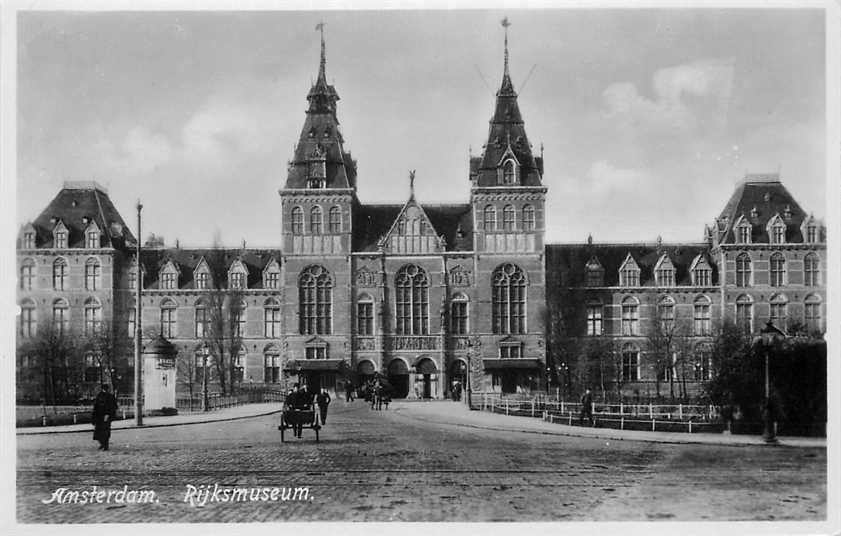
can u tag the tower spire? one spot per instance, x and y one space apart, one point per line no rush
506 24
507 88
322 68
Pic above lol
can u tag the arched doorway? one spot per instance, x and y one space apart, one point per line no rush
426 379
398 377
365 372
458 379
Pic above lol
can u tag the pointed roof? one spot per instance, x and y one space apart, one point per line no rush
507 129
429 230
372 222
321 135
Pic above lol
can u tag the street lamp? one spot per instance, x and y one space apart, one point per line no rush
469 398
769 335
205 351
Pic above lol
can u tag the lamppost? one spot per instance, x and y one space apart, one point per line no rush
205 351
138 331
548 382
469 398
565 383
769 336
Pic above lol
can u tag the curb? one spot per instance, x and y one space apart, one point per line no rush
146 426
613 437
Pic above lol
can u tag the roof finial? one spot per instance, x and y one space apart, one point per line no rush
412 183
506 24
323 66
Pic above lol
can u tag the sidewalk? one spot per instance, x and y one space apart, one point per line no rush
457 414
227 414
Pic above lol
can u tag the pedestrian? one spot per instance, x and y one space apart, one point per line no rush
349 391
586 408
323 400
104 411
295 401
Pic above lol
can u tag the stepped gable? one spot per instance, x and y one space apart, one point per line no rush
219 260
565 263
766 194
75 202
373 222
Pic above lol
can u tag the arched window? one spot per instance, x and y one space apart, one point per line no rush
509 172
702 318
743 270
666 314
61 317
508 218
93 316
595 311
778 270
509 299
92 273
238 317
744 313
460 314
812 313
315 220
315 301
27 274
811 270
703 361
630 363
365 315
630 316
528 218
412 301
202 320
490 218
168 318
779 310
239 365
271 319
93 367
271 360
59 273
335 220
28 320
297 220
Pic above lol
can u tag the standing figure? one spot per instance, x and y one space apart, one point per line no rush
348 391
586 408
323 400
104 411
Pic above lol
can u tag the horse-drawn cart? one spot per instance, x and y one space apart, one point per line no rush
305 418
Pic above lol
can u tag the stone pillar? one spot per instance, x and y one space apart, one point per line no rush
159 374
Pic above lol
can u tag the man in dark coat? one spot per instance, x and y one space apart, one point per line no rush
104 411
348 391
586 408
295 400
323 399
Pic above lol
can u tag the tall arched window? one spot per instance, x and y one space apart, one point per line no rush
744 313
59 274
778 270
297 220
594 317
508 218
490 218
92 273
271 319
412 301
365 315
702 317
811 270
61 317
315 301
528 218
743 270
271 360
335 220
460 314
93 316
202 320
630 363
509 172
168 307
28 320
779 310
630 316
812 313
315 220
509 299
666 314
27 274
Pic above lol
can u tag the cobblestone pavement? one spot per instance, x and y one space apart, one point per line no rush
382 466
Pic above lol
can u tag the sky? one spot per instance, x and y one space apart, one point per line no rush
647 118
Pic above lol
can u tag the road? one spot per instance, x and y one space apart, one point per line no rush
392 466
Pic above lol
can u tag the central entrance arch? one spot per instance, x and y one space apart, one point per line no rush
426 380
398 377
458 378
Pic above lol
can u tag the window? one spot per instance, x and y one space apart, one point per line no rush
93 368
272 279
60 239
61 317
238 319
510 351
509 173
168 318
702 277
202 280
666 277
92 239
59 274
335 220
630 316
593 273
412 301
666 314
811 270
27 274
778 234
315 301
199 368
297 220
490 218
93 317
169 280
811 234
316 352
594 318
630 363
528 218
460 314
315 220
202 320
131 327
629 276
778 310
702 317
92 273
509 299
743 270
812 313
778 270
271 319
28 240
271 360
365 315
743 232
132 279
744 313
237 280
508 218
28 322
703 364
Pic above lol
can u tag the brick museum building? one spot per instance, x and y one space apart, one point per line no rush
418 293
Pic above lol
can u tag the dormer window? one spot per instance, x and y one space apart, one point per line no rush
28 240
594 273
92 235
271 275
777 230
237 280
169 280
743 231
629 273
317 169
237 275
509 172
664 272
60 236
812 234
701 276
202 280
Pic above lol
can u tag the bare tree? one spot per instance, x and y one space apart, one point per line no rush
223 333
54 356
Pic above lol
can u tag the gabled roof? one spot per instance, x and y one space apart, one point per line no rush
373 222
411 205
218 260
